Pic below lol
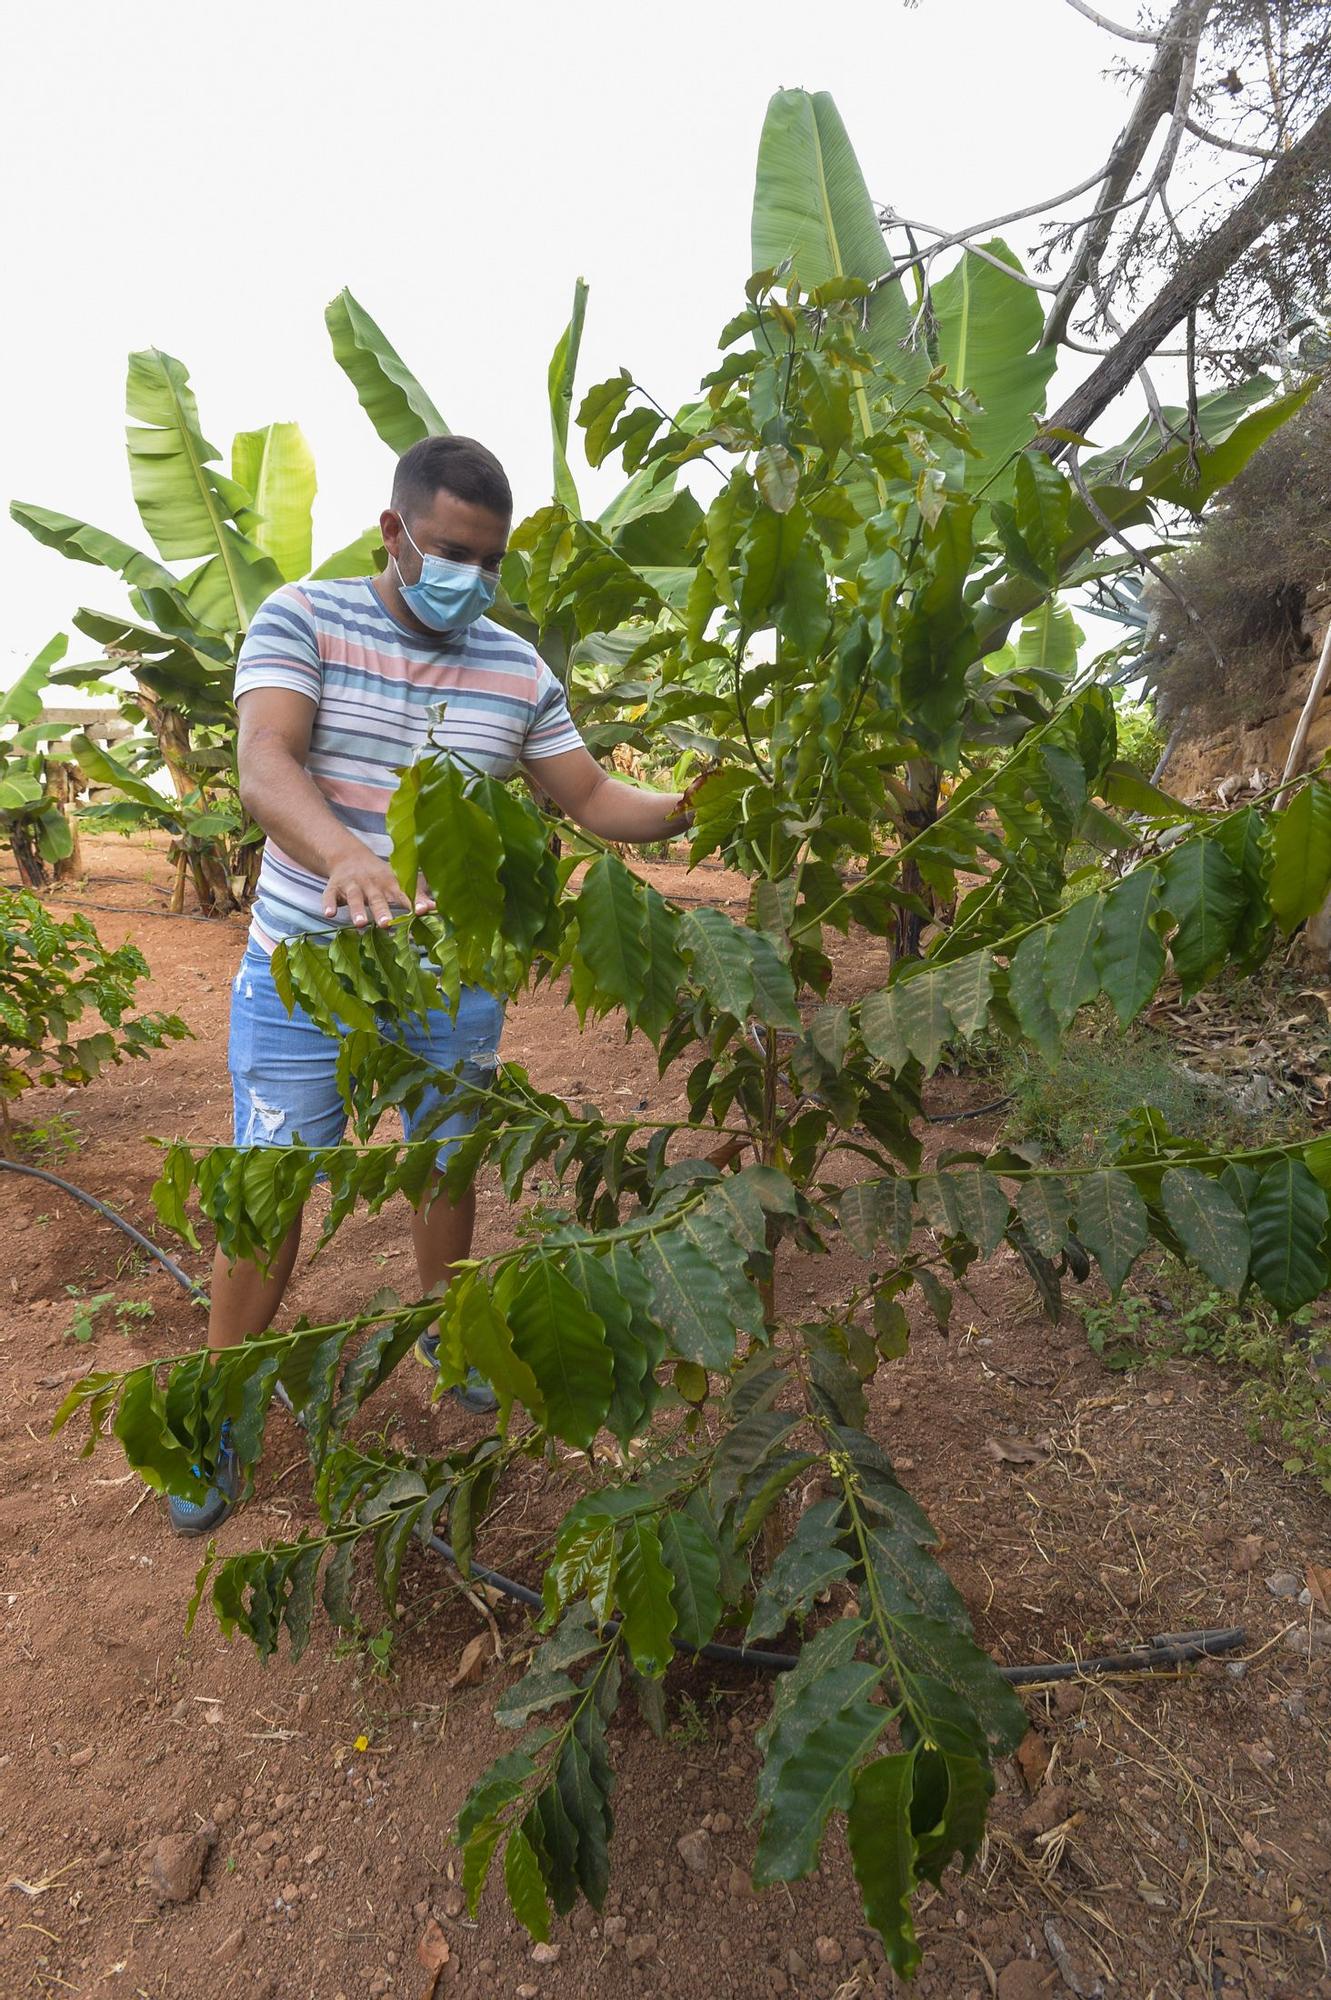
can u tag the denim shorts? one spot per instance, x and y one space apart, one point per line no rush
283 1066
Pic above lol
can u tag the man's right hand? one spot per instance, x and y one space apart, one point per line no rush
369 890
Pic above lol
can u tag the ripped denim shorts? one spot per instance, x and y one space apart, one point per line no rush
283 1066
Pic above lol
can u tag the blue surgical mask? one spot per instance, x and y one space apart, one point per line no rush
447 595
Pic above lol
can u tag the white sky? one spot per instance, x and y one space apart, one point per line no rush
203 178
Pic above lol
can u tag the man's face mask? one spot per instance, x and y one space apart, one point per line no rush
447 595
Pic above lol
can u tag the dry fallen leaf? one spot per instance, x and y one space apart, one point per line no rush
1318 1579
1014 1450
476 1656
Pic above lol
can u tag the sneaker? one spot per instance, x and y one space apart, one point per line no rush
200 1517
475 1394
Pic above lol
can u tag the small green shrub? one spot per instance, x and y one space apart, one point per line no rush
53 971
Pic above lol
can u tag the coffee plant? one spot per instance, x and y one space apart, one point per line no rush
842 607
53 971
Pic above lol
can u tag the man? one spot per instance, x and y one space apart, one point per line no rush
337 686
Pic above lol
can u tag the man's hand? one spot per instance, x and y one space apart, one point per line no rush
369 890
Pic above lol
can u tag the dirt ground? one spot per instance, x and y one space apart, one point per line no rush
1164 1836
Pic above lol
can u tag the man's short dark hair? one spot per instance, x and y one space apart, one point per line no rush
456 465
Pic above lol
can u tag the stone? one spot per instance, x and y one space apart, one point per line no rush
739 1887
290 1892
695 1850
453 1902
315 1855
223 1812
1284 1583
795 1965
231 1946
177 1866
613 1929
82 1758
545 1954
379 1984
722 1822
1046 1809
827 1951
640 1947
1021 1980
1309 1639
526 1991
432 1947
103 1857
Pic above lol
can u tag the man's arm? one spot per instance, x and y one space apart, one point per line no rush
276 788
605 805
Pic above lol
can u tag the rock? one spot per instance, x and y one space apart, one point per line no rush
290 1892
739 1887
1312 1638
613 1929
177 1866
454 1903
640 1947
1022 1980
1046 1809
315 1855
545 1954
103 1857
795 1965
1067 1698
827 1951
379 1985
1284 1583
223 1812
82 1758
722 1822
527 1991
1032 1759
231 1946
265 1843
695 1850
1247 1553
432 1949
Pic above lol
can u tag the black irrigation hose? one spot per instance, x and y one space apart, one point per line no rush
1168 1649
168 1264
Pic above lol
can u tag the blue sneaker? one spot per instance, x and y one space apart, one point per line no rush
475 1394
200 1517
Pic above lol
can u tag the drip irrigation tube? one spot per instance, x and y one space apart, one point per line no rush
168 1264
1168 1649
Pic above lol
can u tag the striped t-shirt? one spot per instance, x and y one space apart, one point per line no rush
380 690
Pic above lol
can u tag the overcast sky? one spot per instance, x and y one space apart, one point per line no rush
205 178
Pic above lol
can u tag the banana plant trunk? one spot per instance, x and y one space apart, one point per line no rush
205 859
922 785
62 786
27 856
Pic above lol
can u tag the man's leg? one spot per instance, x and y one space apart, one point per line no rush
441 1232
283 1079
244 1299
441 1229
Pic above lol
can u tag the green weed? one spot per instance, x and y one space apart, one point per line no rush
1282 1371
1073 1108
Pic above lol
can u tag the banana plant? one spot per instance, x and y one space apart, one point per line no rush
223 542
36 788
